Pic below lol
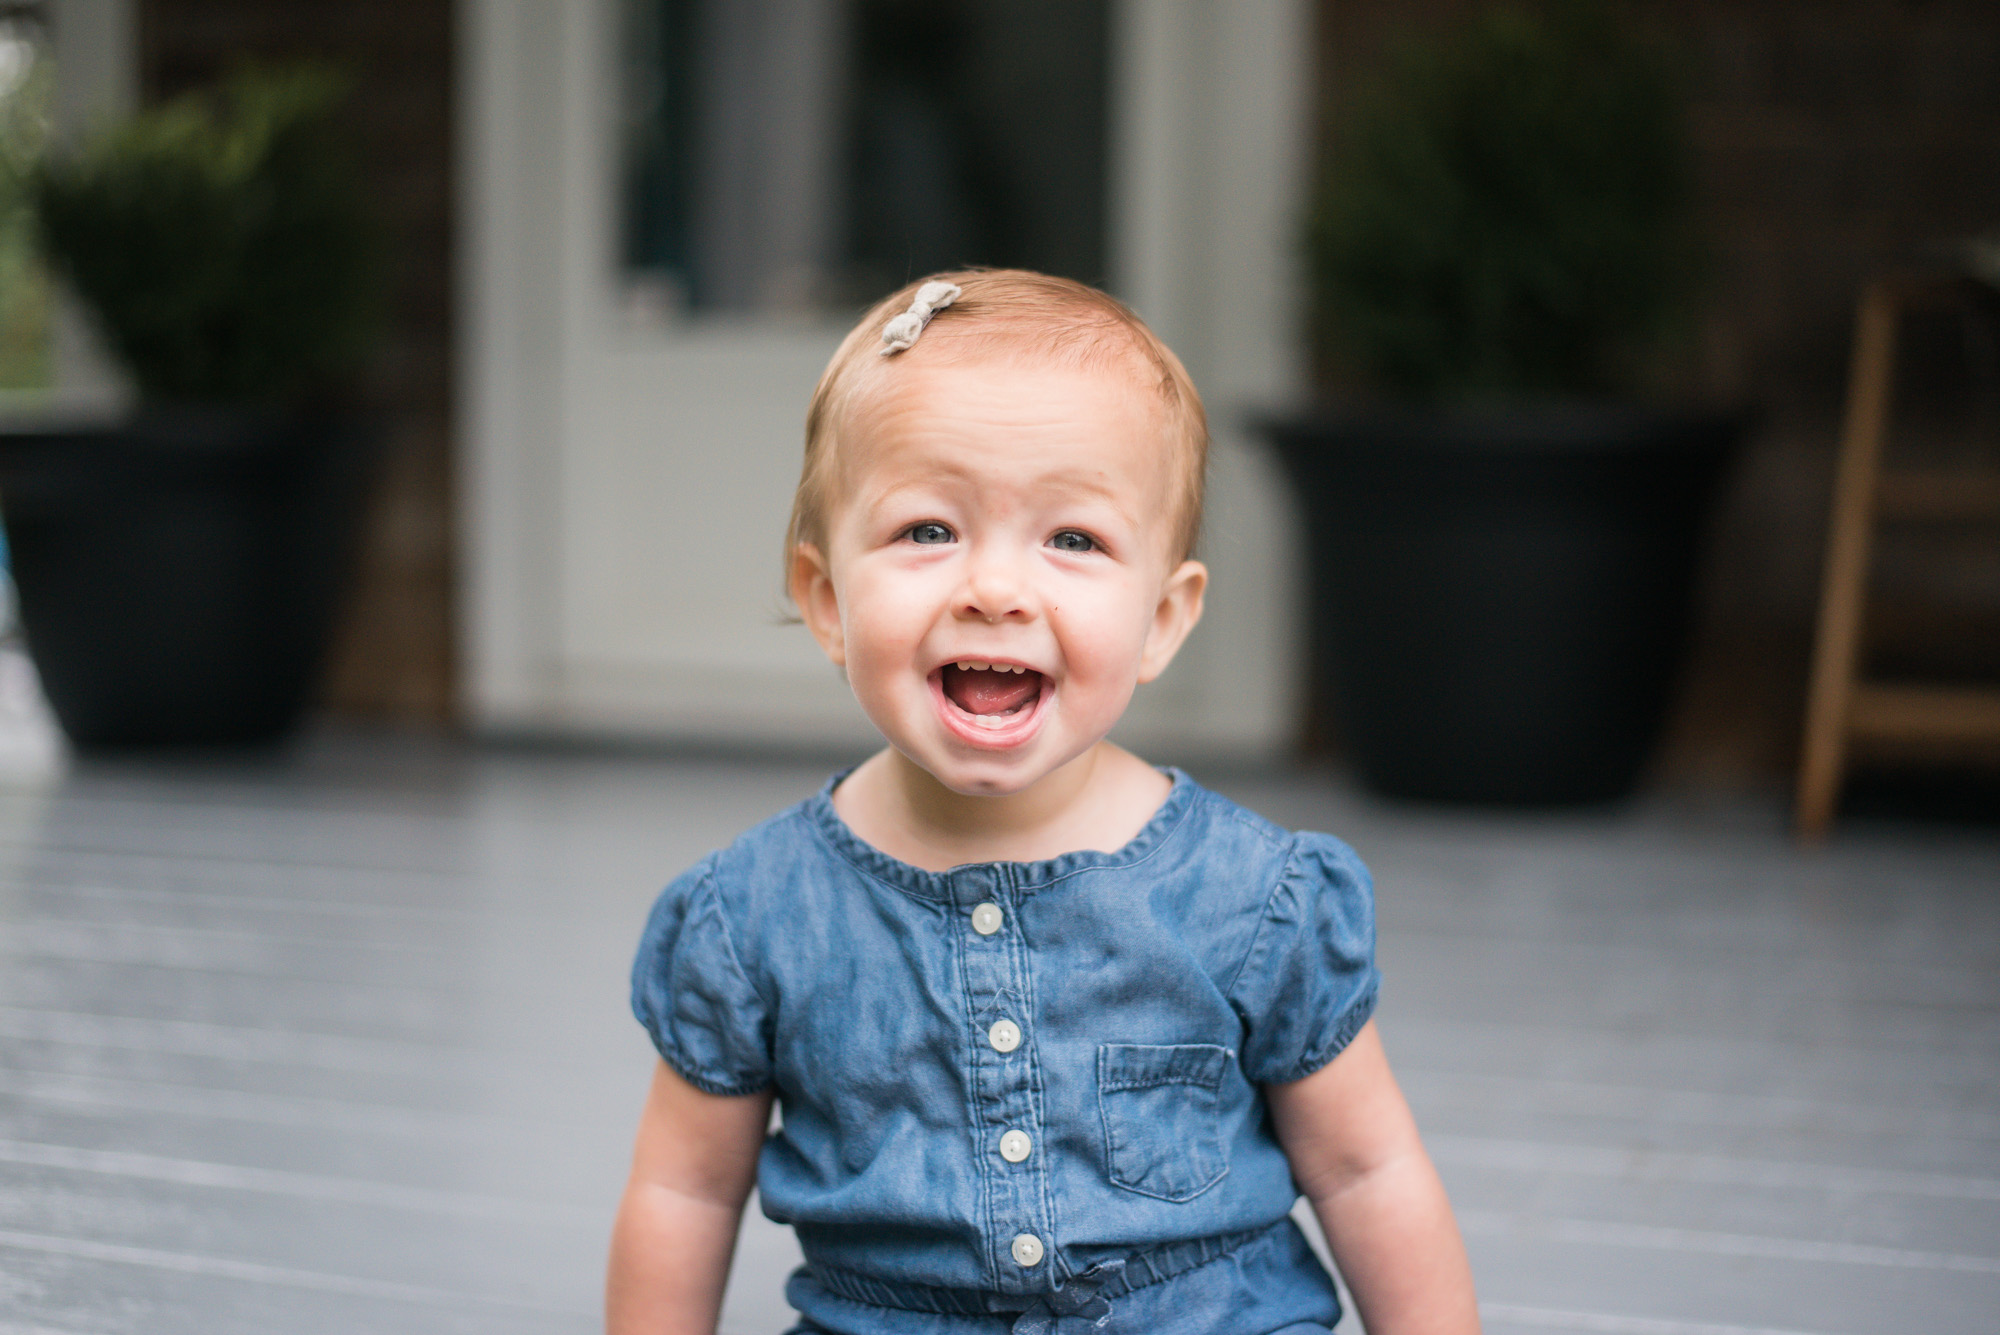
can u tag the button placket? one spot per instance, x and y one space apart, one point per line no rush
1006 1098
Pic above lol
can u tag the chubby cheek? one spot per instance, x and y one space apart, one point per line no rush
883 627
1102 644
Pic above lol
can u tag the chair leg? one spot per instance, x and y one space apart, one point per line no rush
1844 583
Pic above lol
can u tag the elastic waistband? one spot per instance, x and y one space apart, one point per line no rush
1141 1269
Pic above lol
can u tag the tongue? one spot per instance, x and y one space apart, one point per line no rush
986 691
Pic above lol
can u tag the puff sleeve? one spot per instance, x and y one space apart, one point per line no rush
690 991
1309 981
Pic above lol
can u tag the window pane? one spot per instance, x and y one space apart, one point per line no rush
802 154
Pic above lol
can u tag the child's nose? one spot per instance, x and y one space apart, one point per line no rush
994 591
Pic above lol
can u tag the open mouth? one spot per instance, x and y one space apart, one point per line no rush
992 695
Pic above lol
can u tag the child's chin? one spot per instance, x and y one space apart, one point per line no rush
976 780
986 772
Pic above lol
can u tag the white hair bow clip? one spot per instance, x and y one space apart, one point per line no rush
902 331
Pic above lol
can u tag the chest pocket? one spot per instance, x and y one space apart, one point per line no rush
1162 1133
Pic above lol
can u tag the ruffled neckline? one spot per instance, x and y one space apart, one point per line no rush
1024 876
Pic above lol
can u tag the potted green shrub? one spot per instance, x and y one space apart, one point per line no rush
177 571
1502 527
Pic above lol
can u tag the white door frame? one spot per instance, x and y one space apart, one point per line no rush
582 617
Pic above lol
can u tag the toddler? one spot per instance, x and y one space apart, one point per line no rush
1057 1037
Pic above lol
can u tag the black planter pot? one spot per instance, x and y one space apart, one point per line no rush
178 574
1501 599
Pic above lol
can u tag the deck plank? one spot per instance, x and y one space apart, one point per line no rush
338 1042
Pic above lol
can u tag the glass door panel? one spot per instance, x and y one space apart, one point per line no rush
810 155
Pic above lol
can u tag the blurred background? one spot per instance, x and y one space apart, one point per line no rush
400 406
602 230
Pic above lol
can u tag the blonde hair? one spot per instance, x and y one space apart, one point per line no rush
1006 311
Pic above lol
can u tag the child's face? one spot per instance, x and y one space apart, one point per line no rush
994 517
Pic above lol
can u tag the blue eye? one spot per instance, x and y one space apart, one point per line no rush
929 534
1069 540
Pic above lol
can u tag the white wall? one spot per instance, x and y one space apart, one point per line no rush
96 45
96 48
626 484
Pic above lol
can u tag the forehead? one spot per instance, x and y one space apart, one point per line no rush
1004 421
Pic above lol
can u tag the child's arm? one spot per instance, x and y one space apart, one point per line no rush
1355 1153
692 1169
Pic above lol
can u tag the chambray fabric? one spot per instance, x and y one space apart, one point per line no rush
1155 989
1270 1285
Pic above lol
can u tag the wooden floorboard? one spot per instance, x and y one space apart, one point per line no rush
338 1042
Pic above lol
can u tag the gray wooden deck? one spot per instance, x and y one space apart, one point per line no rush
340 1044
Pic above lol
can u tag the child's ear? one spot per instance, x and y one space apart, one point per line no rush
1179 608
811 587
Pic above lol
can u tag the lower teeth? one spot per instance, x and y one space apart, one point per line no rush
1000 719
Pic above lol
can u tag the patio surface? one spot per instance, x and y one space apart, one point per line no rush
339 1044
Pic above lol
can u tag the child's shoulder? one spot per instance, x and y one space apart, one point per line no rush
726 902
1227 830
771 852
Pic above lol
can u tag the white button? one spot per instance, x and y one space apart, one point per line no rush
1015 1146
1005 1035
986 919
1027 1249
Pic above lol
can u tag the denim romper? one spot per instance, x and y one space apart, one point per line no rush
1024 1096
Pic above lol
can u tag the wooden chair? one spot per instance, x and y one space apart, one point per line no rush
1843 712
